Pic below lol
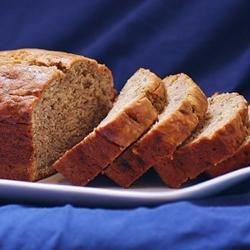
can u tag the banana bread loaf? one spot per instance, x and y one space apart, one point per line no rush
48 102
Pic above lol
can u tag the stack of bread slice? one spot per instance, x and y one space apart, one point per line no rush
58 111
186 107
216 138
185 137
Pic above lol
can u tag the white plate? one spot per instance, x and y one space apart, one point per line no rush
103 193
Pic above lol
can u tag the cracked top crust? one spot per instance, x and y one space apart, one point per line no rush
25 73
40 57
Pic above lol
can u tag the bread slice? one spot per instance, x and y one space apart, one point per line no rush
136 108
240 159
186 106
215 139
48 102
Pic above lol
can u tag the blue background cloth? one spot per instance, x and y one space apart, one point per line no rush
209 40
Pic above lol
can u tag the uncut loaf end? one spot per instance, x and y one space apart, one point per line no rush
49 101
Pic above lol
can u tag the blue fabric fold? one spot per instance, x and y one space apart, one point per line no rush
217 223
208 40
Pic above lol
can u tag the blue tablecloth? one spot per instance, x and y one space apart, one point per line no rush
209 40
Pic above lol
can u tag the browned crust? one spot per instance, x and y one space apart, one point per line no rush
120 132
40 57
239 160
130 124
15 151
170 133
54 60
157 97
171 175
85 160
196 157
126 168
24 75
160 141
20 89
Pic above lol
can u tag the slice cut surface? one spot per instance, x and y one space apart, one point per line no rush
187 105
